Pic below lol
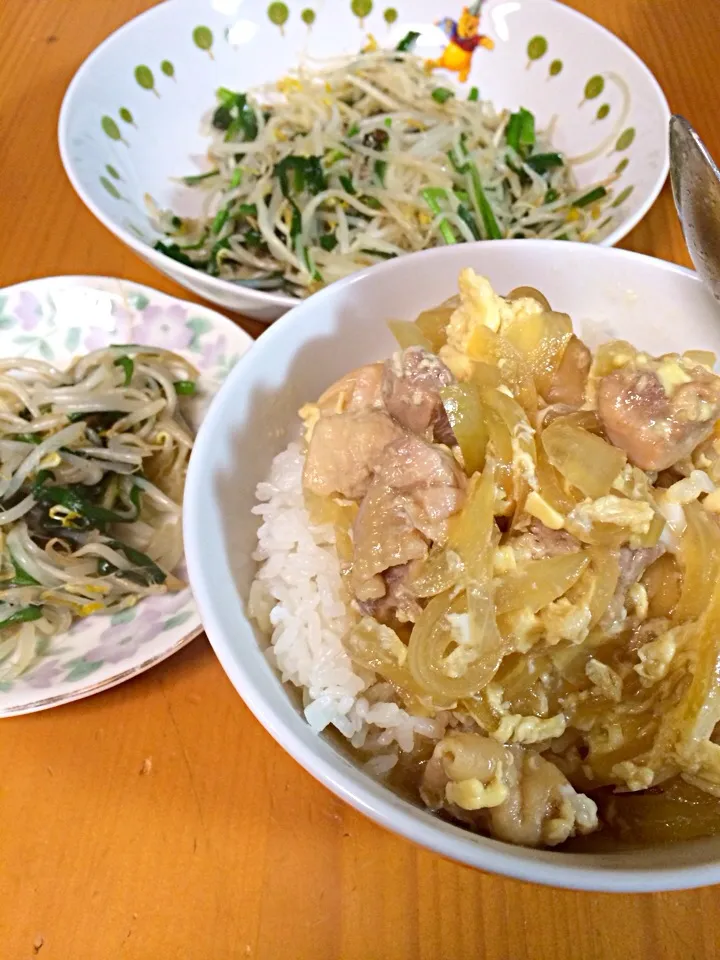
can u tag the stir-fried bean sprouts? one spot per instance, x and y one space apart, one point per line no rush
332 170
92 469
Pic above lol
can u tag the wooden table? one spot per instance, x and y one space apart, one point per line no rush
226 848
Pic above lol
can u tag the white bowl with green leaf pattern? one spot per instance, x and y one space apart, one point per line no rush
130 121
55 319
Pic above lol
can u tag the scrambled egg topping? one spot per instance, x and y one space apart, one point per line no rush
605 679
636 777
635 515
479 306
465 653
504 560
632 483
558 621
515 728
309 414
655 658
473 794
563 620
639 602
670 373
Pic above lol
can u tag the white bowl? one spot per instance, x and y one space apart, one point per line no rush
130 120
659 306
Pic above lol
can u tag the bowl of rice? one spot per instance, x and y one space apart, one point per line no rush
272 590
257 153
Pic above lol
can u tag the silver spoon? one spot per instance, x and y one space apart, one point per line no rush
695 182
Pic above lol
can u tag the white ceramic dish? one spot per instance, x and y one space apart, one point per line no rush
656 305
55 319
130 120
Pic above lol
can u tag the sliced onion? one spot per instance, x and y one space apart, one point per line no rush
539 582
587 462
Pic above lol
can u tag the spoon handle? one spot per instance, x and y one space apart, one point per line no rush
695 182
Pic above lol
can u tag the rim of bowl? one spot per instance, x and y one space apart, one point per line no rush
282 300
366 795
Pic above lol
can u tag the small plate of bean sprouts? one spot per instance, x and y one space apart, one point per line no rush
103 384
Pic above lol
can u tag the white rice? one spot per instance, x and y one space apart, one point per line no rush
298 598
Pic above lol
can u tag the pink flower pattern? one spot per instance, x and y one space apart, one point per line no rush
164 327
27 310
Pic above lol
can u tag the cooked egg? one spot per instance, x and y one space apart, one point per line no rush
525 628
655 657
564 620
604 679
639 603
515 728
635 515
473 794
671 375
309 414
504 560
480 306
635 776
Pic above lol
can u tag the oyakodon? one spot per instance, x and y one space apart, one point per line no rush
491 564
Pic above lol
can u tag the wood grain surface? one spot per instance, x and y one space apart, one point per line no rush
224 848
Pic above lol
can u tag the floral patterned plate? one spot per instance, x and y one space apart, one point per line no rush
55 319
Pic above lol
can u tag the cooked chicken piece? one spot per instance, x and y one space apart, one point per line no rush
398 601
570 378
356 392
412 380
542 808
384 537
463 757
416 488
344 450
429 479
541 542
658 416
512 792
